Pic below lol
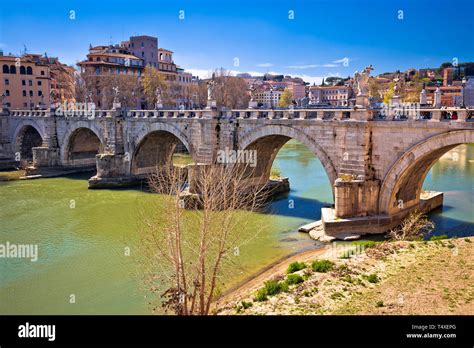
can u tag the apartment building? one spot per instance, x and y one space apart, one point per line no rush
25 82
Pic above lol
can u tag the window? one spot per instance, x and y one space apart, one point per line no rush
24 93
7 82
7 92
31 93
22 70
97 71
42 72
6 70
40 93
143 45
30 83
12 69
29 71
143 54
39 83
25 105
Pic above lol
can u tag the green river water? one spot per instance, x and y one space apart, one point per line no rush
81 249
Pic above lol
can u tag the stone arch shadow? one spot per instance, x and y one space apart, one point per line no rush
80 144
405 178
268 140
26 136
154 146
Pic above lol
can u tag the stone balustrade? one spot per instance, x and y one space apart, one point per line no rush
326 114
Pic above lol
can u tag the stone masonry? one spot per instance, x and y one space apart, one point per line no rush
376 166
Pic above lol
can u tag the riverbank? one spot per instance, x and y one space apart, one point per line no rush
432 277
9 175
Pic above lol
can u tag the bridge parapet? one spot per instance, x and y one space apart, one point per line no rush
326 114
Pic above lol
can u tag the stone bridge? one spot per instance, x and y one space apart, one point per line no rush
375 162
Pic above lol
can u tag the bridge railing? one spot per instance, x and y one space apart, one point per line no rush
329 114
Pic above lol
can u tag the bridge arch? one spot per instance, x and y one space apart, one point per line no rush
268 140
81 144
405 178
26 136
155 146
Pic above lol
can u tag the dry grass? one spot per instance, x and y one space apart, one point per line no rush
390 278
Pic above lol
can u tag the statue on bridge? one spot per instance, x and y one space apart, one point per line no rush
210 89
362 81
252 103
159 99
116 103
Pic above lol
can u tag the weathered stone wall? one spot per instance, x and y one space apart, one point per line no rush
382 163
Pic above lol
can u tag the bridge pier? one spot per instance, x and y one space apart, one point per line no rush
356 198
376 165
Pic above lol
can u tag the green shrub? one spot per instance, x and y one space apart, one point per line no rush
246 305
379 304
295 267
322 266
261 295
292 279
272 287
373 278
467 240
284 287
439 237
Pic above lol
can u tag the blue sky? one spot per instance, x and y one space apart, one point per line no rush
259 33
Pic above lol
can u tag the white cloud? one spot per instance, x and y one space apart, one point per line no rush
342 60
310 79
202 73
207 73
264 65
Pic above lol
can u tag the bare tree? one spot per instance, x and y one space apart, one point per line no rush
231 91
154 83
413 227
186 251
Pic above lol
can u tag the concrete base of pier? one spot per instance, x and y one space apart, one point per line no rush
341 227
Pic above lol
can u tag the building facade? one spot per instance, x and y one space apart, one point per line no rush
268 98
333 95
144 47
25 82
166 64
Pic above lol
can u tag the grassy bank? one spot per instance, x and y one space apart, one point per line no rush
11 175
434 277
